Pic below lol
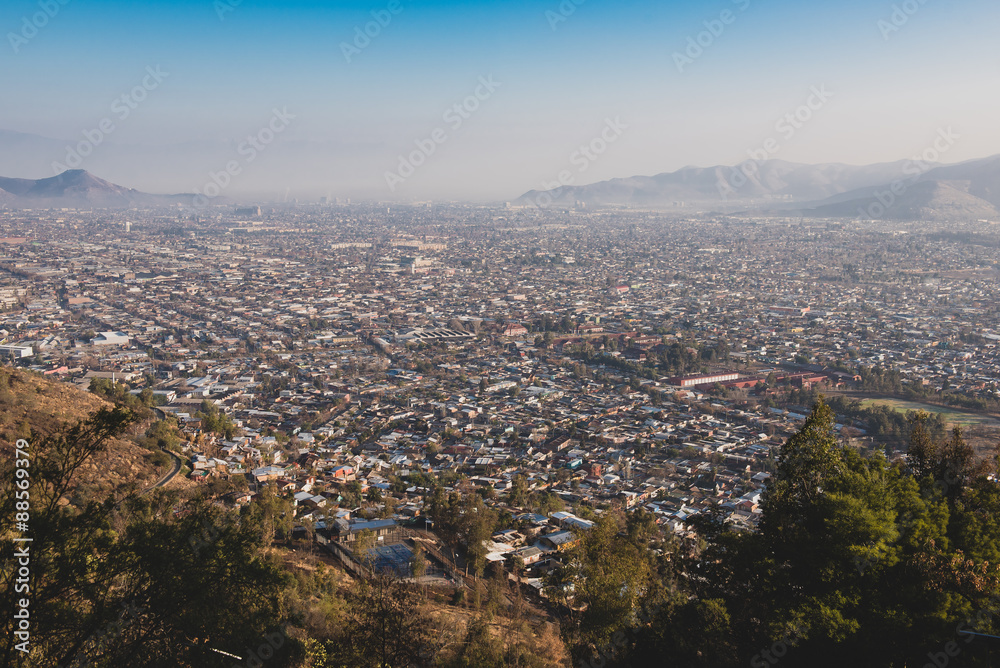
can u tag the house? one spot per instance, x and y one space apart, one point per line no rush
283 485
571 521
529 555
346 531
560 540
267 473
309 501
343 473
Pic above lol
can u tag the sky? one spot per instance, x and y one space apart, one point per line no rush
647 87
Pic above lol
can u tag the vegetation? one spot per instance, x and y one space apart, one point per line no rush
186 597
853 557
215 421
883 424
169 579
119 393
162 434
890 382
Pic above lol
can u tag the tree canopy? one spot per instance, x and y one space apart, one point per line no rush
853 557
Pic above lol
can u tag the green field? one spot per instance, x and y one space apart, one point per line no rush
951 415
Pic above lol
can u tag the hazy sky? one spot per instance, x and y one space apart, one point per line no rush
563 71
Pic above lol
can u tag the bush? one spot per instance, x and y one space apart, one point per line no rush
159 459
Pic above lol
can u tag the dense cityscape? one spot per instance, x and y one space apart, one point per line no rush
554 334
608 358
453 396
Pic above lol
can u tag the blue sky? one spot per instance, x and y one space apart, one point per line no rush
559 82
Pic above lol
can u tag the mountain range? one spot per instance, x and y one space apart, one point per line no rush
903 190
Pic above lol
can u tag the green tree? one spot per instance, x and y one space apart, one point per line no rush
385 626
480 648
363 543
418 565
163 434
852 557
173 587
215 421
477 524
609 575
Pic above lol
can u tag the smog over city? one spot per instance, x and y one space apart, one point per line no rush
555 333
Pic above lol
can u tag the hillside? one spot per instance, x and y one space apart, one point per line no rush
183 566
323 594
33 406
923 200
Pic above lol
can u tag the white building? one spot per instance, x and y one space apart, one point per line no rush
110 339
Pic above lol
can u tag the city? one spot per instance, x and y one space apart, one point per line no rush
607 358
553 334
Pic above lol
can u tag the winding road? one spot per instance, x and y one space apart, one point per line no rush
170 476
177 462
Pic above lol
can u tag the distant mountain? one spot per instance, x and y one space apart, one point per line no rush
288 168
77 188
964 191
923 200
768 181
901 190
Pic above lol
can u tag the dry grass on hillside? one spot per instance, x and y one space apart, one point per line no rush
33 407
450 621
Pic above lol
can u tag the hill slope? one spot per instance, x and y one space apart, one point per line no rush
33 407
923 200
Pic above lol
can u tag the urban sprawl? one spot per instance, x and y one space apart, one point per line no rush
596 359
